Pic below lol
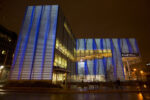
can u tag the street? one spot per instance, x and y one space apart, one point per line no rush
73 96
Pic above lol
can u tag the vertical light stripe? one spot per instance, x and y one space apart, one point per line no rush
120 58
54 40
113 61
95 60
85 63
76 62
45 41
104 59
137 49
119 45
35 40
129 46
25 43
18 44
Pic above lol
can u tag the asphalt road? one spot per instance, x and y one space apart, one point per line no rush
73 96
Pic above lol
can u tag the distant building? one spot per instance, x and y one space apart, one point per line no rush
148 71
8 41
105 59
47 50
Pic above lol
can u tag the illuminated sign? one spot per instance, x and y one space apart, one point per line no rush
129 54
148 64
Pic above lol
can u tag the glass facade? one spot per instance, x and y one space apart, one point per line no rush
33 59
64 51
47 50
102 59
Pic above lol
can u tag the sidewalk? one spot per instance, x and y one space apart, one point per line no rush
77 90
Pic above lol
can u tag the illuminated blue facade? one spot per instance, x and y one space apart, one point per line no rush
34 54
47 50
107 68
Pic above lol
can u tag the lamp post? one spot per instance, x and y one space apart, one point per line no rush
1 70
141 74
5 58
136 73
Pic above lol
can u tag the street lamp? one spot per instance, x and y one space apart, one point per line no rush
136 73
141 72
3 52
1 67
134 69
1 70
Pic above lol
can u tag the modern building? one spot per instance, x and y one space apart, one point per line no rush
47 50
105 59
45 45
8 40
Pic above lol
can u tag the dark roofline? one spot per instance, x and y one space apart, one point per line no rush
7 32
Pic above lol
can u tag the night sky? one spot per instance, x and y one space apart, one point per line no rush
91 18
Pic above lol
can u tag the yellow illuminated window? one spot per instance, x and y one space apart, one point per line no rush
87 52
104 51
99 51
57 43
109 50
59 60
91 52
